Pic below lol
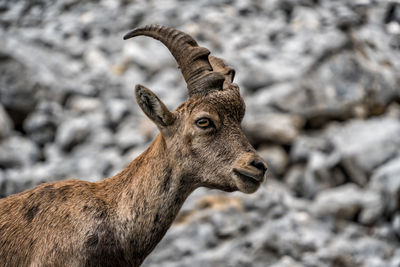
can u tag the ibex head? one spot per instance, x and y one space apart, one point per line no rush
203 137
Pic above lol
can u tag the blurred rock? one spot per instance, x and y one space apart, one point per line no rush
295 179
230 225
325 94
367 143
18 152
117 110
274 127
386 181
41 124
128 136
17 88
347 202
71 133
287 261
6 124
345 151
396 224
84 104
276 157
341 202
90 165
96 59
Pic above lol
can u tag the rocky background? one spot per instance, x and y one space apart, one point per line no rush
321 83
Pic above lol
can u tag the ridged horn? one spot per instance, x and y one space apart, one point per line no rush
191 58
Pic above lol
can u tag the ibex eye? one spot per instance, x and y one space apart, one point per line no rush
204 123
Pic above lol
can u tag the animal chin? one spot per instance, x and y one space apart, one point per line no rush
246 183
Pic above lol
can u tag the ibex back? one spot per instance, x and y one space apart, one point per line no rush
118 221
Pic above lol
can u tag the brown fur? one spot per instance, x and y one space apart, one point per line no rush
118 221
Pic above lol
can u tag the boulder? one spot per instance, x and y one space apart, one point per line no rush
276 158
273 127
6 124
349 202
72 132
386 181
18 152
42 123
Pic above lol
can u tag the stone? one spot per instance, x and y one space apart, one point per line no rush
368 143
87 163
276 158
6 124
287 261
396 224
228 224
42 123
17 88
386 181
396 258
353 149
117 110
84 104
346 202
18 152
96 59
129 136
72 132
275 127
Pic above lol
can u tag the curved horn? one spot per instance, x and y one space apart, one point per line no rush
191 58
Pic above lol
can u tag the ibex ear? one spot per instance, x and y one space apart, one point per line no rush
153 107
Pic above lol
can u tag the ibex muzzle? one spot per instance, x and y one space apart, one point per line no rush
118 221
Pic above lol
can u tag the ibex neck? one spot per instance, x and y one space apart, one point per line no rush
151 193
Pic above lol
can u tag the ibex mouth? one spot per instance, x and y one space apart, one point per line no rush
247 176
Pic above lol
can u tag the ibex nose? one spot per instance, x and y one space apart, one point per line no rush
259 164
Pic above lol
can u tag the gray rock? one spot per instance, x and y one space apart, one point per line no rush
386 181
117 110
18 88
346 202
84 104
72 132
6 125
373 207
96 59
367 143
308 180
395 259
396 224
129 136
353 149
41 124
228 224
324 93
274 127
363 250
276 158
287 261
101 138
269 245
18 152
305 145
89 164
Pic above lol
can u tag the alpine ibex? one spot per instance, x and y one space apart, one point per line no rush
118 221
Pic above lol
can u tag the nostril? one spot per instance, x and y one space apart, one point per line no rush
259 165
